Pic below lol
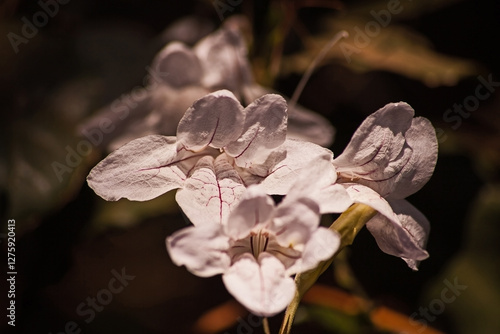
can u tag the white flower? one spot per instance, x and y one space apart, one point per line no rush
180 75
390 156
220 149
257 248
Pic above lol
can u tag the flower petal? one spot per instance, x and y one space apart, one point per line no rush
282 166
332 198
415 223
264 130
302 124
318 183
321 246
393 236
254 207
156 109
202 249
262 287
142 169
216 120
176 65
295 221
377 152
365 195
223 58
421 138
211 191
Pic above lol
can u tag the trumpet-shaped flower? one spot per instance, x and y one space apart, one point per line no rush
390 156
391 152
257 248
220 149
180 75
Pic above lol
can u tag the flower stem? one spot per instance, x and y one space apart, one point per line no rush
265 325
312 66
348 226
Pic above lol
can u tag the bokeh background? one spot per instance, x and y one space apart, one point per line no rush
70 243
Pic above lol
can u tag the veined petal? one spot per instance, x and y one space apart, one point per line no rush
394 239
262 287
415 223
264 129
321 246
285 163
302 123
214 120
254 207
421 138
176 65
202 249
377 152
142 169
211 191
392 235
365 195
169 105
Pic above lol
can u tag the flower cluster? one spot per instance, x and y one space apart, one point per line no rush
220 149
257 248
226 160
390 156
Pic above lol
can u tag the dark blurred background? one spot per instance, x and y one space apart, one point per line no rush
70 243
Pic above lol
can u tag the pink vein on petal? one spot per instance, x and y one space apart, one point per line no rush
220 197
376 152
215 131
170 163
395 173
250 143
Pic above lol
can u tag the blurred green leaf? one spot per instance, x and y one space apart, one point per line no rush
337 322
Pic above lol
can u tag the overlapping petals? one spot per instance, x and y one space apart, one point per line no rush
257 248
220 149
390 156
391 152
179 75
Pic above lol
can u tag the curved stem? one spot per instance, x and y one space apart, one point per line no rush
312 66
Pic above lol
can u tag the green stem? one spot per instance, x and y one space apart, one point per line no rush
348 226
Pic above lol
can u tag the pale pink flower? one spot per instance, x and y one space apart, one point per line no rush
257 248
